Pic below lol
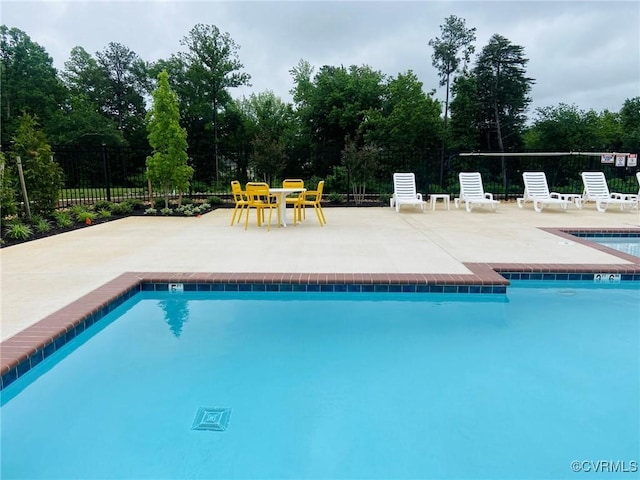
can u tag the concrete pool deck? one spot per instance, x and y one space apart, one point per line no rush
43 276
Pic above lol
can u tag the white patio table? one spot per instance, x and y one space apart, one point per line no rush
282 193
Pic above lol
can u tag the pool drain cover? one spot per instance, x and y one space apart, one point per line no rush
215 419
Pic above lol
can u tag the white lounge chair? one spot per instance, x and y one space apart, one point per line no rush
536 190
634 197
472 192
596 190
404 192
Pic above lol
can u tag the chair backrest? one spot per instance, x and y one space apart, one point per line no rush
236 190
257 192
638 178
319 190
471 185
292 183
535 185
595 185
404 185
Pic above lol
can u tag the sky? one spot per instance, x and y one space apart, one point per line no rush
581 53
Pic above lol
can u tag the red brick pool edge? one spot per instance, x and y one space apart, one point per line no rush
29 347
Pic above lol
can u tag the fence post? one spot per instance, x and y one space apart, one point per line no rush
107 172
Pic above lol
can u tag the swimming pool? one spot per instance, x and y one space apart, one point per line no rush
630 245
338 385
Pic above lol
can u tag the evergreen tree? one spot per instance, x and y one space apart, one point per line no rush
167 167
42 175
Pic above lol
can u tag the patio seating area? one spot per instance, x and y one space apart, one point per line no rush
42 276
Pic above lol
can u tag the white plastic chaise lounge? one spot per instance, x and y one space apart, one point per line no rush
536 190
596 190
404 192
472 192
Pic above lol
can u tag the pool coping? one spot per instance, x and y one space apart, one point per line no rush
32 345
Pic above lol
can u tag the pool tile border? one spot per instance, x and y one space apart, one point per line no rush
31 346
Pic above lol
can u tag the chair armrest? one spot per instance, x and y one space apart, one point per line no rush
489 195
554 195
419 196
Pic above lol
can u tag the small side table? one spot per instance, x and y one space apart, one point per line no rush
445 197
574 198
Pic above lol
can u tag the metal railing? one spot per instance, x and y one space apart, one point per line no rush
93 173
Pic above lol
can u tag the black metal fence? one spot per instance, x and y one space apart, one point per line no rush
95 173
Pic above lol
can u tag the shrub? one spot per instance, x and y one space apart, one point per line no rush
8 205
102 205
42 225
166 211
85 217
150 211
337 198
135 203
42 174
384 198
78 210
62 219
104 213
18 231
214 200
122 208
338 180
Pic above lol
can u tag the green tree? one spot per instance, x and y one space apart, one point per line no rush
566 128
449 52
8 205
465 114
29 82
630 125
111 86
208 68
361 163
270 120
126 82
409 119
167 167
334 107
503 93
42 175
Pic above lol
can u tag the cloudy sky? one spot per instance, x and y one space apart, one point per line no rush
583 53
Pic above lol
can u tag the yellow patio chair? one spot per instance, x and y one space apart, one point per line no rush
293 200
259 198
240 198
311 198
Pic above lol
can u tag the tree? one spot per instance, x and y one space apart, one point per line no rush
409 119
361 163
566 128
630 125
211 66
112 85
42 175
29 81
8 204
167 166
125 84
502 90
270 119
465 114
334 107
456 40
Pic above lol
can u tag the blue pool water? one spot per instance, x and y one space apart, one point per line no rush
334 385
630 245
